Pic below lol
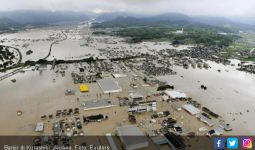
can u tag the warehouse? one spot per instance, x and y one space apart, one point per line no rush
191 109
96 104
175 94
132 137
109 86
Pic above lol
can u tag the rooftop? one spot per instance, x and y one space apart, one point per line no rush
136 95
84 88
175 94
131 136
109 86
191 109
96 104
39 127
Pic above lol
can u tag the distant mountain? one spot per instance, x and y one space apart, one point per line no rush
173 19
165 19
117 19
8 24
43 17
161 17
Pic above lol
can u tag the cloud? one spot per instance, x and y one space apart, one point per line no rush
232 8
99 11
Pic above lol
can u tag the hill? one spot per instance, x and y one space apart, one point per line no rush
43 17
9 25
171 19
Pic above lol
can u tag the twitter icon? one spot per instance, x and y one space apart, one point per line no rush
232 143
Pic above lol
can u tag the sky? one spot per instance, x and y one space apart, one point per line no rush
223 8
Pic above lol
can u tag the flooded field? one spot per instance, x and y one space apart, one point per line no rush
37 40
230 92
37 94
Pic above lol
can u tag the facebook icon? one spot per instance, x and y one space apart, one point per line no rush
219 143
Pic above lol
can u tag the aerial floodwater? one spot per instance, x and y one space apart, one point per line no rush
229 92
133 75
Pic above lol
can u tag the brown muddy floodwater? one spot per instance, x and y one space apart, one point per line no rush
230 93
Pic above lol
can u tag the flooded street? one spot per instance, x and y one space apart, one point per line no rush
127 75
230 93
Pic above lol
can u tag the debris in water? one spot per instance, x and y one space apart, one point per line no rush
13 80
19 112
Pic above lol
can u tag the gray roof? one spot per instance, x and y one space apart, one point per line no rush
131 136
111 141
109 86
191 109
95 104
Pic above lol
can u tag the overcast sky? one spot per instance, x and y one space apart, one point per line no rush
226 8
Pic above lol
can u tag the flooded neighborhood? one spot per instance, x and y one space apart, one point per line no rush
163 84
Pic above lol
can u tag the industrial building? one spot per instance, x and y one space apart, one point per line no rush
109 86
132 137
175 94
96 104
140 107
191 109
39 127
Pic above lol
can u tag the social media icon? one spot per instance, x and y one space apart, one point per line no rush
247 143
219 143
232 143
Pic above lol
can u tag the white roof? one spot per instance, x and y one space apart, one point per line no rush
175 94
165 97
117 75
136 95
39 127
191 109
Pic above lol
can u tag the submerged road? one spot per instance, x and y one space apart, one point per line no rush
11 73
55 42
